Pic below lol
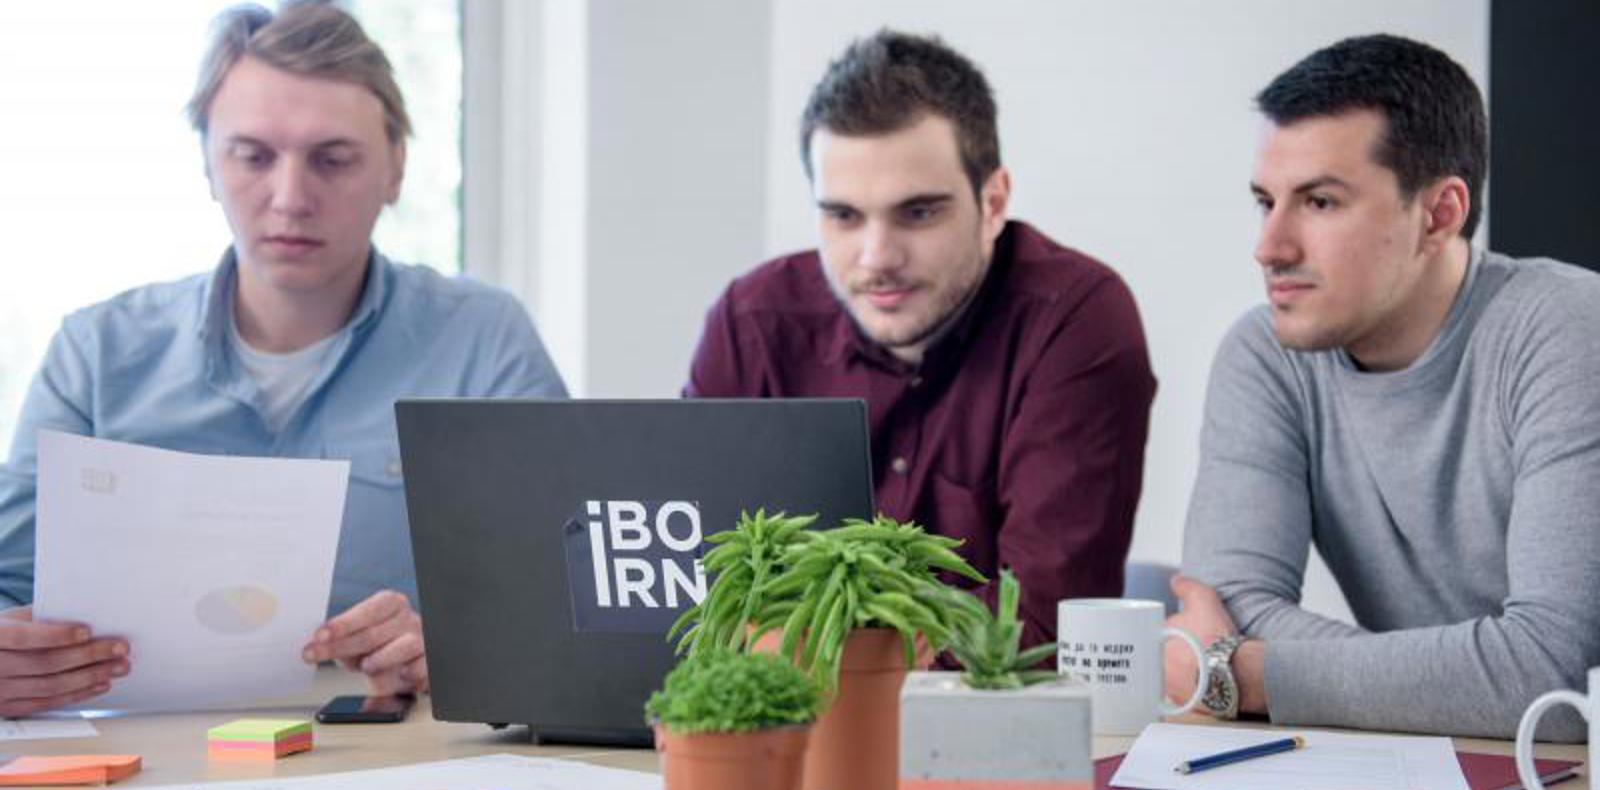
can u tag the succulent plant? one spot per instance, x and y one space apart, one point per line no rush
817 586
863 574
744 559
987 645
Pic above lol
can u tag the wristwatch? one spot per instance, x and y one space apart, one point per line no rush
1222 690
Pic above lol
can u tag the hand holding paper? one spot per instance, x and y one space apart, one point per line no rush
380 637
212 568
46 665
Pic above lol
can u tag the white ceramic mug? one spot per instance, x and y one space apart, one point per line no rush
1114 646
1588 705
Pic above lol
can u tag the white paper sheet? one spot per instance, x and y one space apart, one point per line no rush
216 569
41 728
490 772
1329 761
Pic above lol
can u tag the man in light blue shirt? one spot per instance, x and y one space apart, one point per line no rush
297 345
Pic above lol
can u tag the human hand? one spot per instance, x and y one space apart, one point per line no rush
380 637
46 665
1201 613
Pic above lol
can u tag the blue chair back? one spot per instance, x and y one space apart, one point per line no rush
1152 582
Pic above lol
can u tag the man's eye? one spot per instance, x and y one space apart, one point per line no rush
840 214
253 157
327 162
1320 202
918 214
1264 205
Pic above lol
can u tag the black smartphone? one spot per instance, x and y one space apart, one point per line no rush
356 709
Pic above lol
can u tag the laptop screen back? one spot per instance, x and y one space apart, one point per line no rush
556 541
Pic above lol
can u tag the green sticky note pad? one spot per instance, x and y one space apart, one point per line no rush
268 730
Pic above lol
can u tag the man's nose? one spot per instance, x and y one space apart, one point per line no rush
293 192
881 248
1279 244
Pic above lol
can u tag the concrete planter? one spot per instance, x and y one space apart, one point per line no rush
955 738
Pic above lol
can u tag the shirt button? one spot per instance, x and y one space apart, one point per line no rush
916 381
393 469
900 465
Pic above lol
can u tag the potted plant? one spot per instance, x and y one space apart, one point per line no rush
848 605
1020 725
743 560
729 721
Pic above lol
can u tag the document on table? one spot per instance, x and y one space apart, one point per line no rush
73 726
494 771
216 569
1329 761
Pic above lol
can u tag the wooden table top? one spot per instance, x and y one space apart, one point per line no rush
173 746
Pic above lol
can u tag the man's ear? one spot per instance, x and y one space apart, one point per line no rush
397 159
1444 206
993 200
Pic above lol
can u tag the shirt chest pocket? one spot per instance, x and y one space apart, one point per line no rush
371 463
374 542
965 513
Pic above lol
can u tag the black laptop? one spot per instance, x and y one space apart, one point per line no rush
556 541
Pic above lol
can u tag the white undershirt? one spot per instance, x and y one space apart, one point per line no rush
282 378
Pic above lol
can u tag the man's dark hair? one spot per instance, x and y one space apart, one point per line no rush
889 81
1434 119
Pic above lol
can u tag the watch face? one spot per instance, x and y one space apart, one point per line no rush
1220 694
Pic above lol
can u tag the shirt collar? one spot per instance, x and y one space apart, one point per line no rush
845 340
216 302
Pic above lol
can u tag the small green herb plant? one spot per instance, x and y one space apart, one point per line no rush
986 645
725 691
817 586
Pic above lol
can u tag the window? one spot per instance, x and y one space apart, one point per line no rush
423 41
101 181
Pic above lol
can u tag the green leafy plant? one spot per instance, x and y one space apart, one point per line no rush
986 645
744 559
771 573
725 691
862 574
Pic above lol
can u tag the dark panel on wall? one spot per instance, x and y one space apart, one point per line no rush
1544 127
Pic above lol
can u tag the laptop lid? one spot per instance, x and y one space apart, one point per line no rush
556 541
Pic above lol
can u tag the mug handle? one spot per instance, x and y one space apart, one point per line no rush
1530 721
1200 661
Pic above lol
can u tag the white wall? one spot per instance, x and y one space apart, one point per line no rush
614 173
1127 124
677 120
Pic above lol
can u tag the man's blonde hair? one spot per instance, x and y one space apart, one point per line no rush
311 39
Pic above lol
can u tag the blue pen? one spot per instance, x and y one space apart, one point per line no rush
1236 755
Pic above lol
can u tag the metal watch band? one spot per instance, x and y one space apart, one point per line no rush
1222 689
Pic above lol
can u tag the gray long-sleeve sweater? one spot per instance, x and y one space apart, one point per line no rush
1456 501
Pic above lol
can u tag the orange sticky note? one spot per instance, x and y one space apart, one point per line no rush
82 769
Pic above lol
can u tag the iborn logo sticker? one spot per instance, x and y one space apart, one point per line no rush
633 567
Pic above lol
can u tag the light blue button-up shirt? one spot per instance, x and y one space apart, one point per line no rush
153 366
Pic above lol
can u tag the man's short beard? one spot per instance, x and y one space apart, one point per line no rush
936 327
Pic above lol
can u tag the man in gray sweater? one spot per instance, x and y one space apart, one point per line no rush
1425 412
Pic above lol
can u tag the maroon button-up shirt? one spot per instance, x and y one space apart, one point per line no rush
1022 432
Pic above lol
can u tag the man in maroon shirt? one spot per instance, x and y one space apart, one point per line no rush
1006 378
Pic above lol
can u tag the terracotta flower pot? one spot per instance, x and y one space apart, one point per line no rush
855 745
734 760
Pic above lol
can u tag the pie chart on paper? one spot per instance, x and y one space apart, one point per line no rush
236 610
